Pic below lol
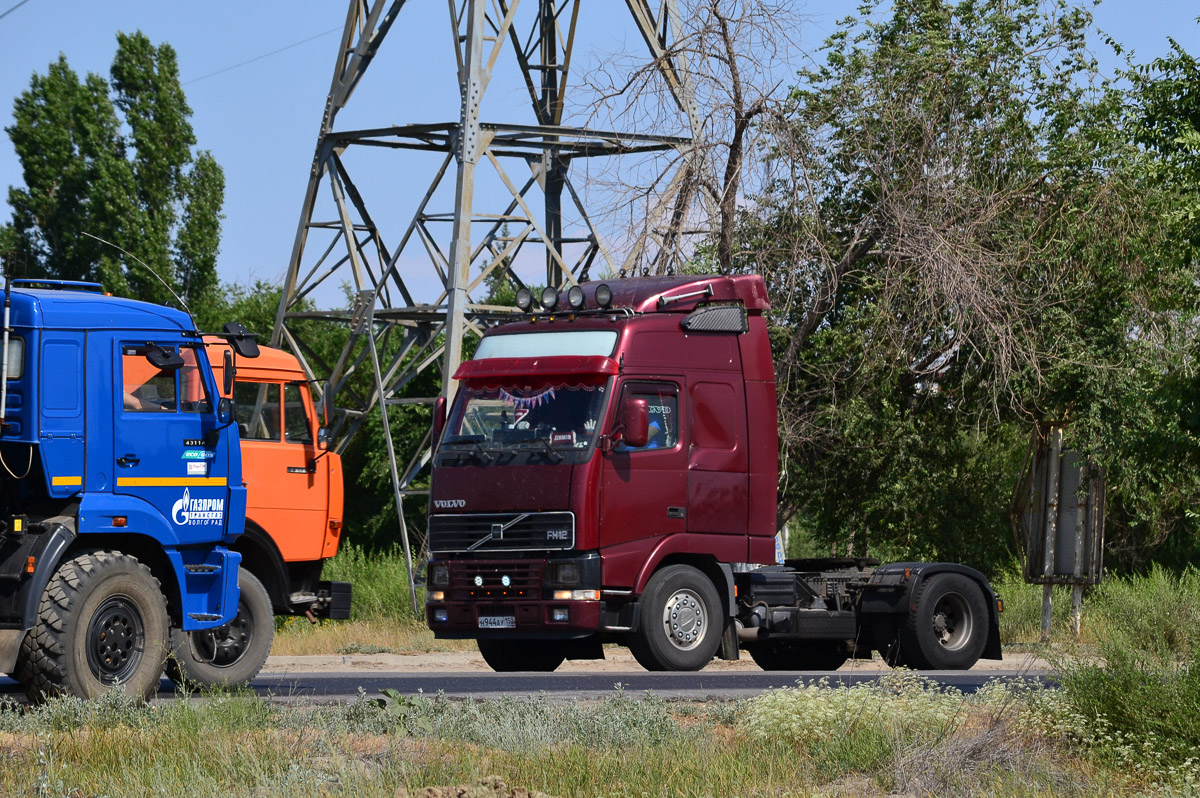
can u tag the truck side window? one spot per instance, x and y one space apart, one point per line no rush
663 404
257 406
147 389
192 391
295 421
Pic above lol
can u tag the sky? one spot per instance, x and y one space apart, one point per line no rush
260 119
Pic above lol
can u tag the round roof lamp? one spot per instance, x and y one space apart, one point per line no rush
604 295
575 297
549 298
524 299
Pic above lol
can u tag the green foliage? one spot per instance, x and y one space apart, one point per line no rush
116 159
972 232
380 580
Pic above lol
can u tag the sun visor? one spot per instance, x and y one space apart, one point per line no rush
555 366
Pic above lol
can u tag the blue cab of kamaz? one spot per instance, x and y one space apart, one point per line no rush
120 489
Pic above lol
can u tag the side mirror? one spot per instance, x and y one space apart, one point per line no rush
241 339
439 419
322 437
635 423
225 410
228 372
164 359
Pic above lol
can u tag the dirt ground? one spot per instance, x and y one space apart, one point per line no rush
615 660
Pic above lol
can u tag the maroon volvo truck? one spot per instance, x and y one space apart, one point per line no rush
607 473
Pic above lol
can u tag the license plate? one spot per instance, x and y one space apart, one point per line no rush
497 622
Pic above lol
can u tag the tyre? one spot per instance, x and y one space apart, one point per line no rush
798 655
506 656
230 655
679 626
949 627
102 622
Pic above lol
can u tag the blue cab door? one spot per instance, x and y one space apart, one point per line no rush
166 445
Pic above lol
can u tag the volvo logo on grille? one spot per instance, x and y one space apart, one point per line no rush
449 504
497 532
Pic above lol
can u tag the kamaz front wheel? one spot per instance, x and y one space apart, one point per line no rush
102 623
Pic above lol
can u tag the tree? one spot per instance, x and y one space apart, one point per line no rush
115 160
733 57
964 238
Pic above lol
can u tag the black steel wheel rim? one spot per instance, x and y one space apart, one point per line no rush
116 640
224 646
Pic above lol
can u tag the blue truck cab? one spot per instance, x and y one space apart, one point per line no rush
120 490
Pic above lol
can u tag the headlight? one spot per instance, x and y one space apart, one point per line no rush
439 574
565 573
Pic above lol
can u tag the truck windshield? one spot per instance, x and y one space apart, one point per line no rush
543 422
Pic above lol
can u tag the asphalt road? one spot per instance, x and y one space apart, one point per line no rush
329 686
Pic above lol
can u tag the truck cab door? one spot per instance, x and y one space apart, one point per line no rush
287 486
167 446
643 491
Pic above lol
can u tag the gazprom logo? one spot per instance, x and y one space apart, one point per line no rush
191 512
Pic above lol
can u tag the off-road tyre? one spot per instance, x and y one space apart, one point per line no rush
949 627
508 656
798 655
102 622
680 621
231 655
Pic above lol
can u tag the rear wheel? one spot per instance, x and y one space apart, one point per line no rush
679 627
506 656
102 622
949 627
798 655
230 655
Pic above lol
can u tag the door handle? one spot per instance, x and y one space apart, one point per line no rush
675 512
128 460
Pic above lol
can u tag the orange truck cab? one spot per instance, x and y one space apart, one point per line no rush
293 518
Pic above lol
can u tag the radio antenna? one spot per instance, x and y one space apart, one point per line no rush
146 266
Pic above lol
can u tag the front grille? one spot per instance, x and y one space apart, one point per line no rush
485 579
492 532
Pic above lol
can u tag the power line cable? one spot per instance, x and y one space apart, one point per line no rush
14 8
256 58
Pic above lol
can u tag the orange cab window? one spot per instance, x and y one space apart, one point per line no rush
257 406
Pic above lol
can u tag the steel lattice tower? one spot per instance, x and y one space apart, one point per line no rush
395 333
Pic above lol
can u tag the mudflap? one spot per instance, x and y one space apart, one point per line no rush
208 586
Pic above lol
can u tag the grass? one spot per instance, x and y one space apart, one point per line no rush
381 619
904 735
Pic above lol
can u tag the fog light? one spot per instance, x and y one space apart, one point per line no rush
441 615
437 595
562 595
560 614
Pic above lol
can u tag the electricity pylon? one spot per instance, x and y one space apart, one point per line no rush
395 332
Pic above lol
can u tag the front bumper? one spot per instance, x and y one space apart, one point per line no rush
530 619
515 598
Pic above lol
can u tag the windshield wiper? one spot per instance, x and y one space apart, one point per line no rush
476 448
552 454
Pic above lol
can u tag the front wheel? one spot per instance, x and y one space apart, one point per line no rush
102 622
679 628
949 627
507 656
230 655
